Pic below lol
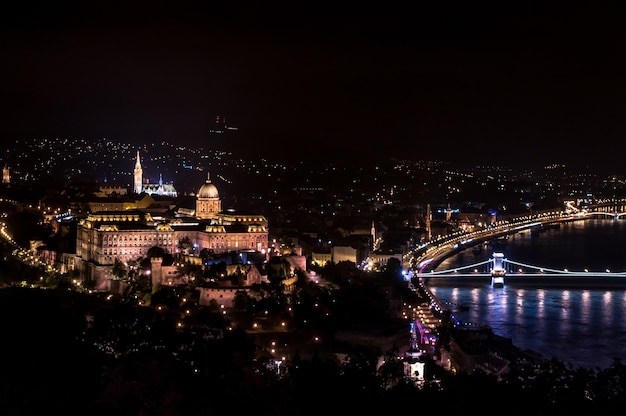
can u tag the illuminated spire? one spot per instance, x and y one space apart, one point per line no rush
138 176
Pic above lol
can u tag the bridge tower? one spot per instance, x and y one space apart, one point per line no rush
498 269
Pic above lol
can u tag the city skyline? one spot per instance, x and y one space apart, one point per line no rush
458 82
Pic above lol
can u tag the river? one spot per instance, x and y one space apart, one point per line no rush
582 326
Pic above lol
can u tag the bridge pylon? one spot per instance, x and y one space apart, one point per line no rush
498 269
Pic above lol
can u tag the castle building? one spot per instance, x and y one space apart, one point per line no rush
127 234
150 188
208 203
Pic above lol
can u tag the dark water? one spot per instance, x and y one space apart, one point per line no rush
585 327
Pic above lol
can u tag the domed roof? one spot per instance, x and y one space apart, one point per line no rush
208 190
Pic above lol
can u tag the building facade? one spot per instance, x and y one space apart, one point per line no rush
127 235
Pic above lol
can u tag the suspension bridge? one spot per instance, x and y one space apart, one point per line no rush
497 267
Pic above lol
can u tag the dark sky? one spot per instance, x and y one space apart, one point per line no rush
520 81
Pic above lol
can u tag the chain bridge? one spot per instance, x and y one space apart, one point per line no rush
497 267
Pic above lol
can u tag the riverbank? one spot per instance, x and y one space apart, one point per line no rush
493 238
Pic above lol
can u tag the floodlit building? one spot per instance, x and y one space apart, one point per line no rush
160 188
126 235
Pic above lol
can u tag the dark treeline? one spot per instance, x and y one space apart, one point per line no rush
73 353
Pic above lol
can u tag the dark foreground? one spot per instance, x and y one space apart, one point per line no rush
55 361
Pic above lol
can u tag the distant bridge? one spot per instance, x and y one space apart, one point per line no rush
611 207
604 214
511 268
424 259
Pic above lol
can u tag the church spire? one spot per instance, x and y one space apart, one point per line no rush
138 176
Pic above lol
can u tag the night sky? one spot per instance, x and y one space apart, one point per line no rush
518 82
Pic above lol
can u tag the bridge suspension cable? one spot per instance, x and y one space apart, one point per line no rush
471 266
538 269
530 266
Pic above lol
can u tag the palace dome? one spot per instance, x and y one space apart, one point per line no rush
208 190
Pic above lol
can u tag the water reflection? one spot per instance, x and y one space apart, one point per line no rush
585 328
565 310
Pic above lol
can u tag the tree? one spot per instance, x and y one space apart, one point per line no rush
206 254
119 270
392 276
238 278
156 251
25 226
140 287
241 301
278 269
194 271
184 244
391 372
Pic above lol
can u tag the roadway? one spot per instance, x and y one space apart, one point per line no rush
428 255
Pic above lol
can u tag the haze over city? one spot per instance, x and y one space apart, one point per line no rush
523 83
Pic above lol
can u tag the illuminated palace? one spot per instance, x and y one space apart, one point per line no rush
127 234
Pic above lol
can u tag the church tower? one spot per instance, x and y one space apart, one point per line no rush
373 235
138 176
6 175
